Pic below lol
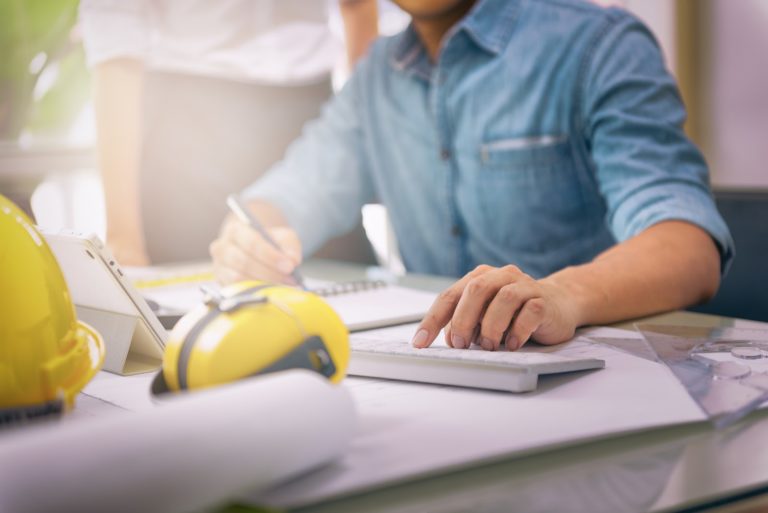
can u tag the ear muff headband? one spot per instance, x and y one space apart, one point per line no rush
194 333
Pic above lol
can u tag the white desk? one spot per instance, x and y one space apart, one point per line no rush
682 468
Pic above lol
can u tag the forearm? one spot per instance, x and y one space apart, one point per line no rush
360 26
669 266
118 90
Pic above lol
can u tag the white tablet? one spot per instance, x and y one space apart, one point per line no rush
106 299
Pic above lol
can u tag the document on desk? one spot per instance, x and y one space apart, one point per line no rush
174 288
191 453
411 430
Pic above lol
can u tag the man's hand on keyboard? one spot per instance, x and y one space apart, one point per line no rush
494 305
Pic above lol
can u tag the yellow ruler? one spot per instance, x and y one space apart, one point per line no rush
167 281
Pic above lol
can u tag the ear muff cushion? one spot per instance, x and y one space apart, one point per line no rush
311 354
318 318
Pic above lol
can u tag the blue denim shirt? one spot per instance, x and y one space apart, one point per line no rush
545 132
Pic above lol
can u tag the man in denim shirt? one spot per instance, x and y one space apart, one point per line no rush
534 147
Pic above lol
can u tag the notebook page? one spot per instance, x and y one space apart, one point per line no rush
379 307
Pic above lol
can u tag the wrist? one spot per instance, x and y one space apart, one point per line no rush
575 298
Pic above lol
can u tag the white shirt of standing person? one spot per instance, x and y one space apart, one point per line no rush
277 42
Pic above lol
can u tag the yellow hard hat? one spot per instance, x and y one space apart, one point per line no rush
254 328
46 355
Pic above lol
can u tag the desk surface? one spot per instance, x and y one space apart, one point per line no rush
22 169
19 163
683 468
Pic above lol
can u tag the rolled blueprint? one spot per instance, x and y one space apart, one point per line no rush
189 454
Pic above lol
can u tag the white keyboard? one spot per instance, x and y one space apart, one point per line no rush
475 368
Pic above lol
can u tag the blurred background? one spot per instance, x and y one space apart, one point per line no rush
716 48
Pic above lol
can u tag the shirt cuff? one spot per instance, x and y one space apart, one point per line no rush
678 203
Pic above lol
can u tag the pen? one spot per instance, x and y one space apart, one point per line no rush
241 211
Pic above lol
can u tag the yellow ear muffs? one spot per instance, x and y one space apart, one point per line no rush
253 328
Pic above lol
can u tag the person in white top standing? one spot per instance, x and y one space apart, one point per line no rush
193 98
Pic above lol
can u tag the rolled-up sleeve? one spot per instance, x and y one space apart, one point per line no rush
114 29
321 184
647 170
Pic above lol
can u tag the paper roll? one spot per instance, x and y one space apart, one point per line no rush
189 454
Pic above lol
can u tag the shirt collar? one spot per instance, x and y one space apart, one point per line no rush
407 50
489 25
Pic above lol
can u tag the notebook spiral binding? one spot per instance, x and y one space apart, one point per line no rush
348 287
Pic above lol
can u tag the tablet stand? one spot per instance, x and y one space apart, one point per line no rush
130 347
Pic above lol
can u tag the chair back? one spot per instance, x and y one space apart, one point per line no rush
744 290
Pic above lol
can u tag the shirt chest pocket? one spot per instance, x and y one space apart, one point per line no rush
528 192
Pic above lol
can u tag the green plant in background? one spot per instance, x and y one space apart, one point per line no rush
36 41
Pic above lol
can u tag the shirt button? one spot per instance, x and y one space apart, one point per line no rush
445 154
455 230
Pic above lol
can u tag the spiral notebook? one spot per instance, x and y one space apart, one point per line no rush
362 305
